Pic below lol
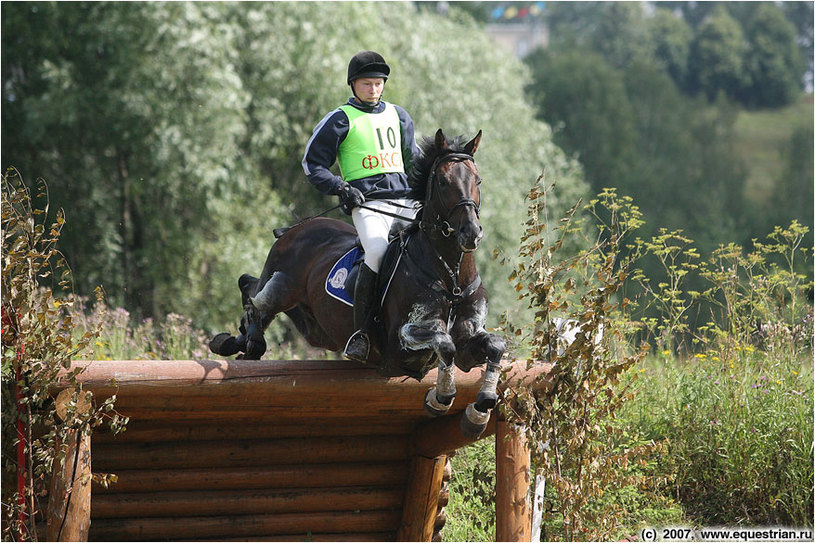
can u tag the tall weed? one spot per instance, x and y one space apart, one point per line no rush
123 338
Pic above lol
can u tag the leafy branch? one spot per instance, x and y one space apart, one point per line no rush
571 417
38 344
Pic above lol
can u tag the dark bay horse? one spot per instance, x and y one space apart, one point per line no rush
435 308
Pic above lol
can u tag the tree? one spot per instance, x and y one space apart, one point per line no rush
717 57
622 34
793 196
585 100
773 61
175 131
137 117
672 37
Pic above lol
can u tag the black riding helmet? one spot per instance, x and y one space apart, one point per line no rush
367 64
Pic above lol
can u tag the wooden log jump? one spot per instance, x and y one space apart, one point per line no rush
279 450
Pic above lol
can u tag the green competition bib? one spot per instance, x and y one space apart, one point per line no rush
373 144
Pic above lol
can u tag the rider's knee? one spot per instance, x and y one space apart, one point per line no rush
374 253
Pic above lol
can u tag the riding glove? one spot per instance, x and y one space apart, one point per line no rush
350 197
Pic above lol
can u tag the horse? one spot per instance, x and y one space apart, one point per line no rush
435 308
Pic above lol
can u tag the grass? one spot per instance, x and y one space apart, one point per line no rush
740 435
740 430
760 138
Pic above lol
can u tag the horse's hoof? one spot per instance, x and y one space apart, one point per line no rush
474 422
224 344
254 349
437 406
486 401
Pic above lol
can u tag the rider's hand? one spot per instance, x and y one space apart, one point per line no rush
350 197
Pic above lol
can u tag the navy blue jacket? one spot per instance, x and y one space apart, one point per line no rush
322 148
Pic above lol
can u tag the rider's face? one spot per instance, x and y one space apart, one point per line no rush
369 89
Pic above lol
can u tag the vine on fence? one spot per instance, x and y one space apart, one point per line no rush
38 343
571 424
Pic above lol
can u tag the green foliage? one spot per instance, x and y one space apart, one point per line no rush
179 129
717 57
634 130
792 199
38 343
585 100
739 426
773 62
750 52
471 510
672 41
719 435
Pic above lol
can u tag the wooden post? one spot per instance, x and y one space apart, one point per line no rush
69 499
512 507
422 498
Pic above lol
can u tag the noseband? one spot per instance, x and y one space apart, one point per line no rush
442 224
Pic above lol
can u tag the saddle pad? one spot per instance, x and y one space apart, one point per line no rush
335 281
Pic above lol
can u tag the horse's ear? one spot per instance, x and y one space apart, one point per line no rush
441 141
472 145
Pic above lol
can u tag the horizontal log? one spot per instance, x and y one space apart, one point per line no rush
411 412
277 476
154 431
343 379
443 435
247 502
401 420
191 528
366 536
263 452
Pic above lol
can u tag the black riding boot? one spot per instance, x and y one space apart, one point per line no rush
359 344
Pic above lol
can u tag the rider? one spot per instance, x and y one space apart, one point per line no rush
374 144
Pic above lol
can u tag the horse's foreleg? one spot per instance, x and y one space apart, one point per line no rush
417 337
490 347
440 398
475 346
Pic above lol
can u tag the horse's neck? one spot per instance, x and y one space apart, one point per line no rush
444 254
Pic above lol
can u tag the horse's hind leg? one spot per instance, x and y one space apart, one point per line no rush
260 308
225 344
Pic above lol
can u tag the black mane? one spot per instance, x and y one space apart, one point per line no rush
428 153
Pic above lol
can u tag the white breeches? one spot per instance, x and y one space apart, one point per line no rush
373 227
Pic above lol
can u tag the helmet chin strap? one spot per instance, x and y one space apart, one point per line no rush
363 102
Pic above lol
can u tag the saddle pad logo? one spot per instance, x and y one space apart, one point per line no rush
335 281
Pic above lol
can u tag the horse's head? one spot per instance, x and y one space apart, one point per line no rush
453 190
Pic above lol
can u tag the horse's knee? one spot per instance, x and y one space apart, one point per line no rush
446 349
481 349
495 348
268 299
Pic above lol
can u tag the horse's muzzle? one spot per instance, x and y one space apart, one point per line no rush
469 236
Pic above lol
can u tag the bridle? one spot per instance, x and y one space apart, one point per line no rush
439 223
448 283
